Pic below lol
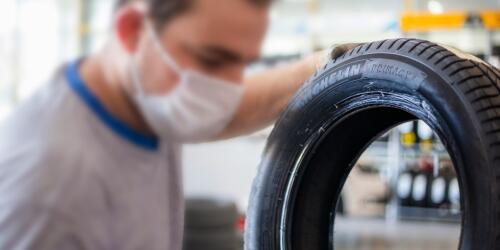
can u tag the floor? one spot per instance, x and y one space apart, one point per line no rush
377 234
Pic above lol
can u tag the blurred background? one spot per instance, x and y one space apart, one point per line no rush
403 192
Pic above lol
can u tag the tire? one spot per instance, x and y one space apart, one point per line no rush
420 190
345 106
453 195
438 189
405 188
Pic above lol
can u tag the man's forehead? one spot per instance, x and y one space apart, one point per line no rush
221 6
230 26
233 15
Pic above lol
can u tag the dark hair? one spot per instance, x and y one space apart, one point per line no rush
161 11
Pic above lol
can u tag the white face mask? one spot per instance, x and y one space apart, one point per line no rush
197 110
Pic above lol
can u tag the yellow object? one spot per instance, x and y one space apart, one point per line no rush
408 139
426 21
491 19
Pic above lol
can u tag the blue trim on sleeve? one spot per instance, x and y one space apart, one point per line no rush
123 130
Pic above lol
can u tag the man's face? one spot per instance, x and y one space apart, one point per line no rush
216 37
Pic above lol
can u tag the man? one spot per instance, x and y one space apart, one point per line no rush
91 161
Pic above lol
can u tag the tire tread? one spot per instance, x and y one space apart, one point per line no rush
477 82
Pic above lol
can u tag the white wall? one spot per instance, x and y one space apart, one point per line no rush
223 169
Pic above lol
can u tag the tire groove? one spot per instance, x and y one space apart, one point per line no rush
342 57
461 69
491 119
485 72
351 51
404 43
435 53
482 98
488 108
416 45
368 47
325 66
427 48
454 62
496 72
444 57
478 88
394 42
489 69
493 131
468 79
381 43
359 49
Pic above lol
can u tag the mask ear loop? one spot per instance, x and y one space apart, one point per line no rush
136 79
162 51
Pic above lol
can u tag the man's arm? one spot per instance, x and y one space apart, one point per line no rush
269 92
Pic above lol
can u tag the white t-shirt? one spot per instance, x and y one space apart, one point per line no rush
74 177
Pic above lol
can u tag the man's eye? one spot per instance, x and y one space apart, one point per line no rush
211 63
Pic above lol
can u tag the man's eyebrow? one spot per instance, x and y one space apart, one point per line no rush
226 54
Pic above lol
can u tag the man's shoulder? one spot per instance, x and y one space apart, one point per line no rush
53 111
34 169
40 146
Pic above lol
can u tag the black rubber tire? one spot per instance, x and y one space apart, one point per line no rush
437 191
420 190
405 199
344 107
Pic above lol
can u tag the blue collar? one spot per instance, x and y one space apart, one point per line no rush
119 127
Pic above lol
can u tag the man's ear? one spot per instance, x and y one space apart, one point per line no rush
128 26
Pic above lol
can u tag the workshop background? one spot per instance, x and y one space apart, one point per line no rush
403 192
